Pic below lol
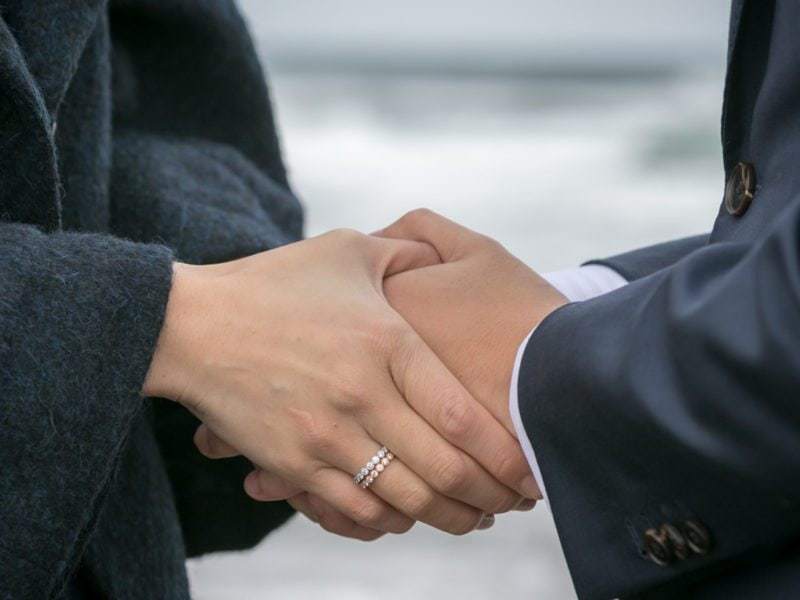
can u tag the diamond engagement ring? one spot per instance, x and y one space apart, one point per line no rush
373 468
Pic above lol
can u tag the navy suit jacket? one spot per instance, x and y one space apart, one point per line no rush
665 416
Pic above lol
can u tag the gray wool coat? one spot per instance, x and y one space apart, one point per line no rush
132 134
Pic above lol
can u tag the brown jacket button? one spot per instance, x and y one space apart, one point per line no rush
740 189
697 537
657 547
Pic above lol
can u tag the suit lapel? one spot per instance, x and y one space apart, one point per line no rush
737 8
733 30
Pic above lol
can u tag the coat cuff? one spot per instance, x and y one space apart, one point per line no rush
80 316
576 284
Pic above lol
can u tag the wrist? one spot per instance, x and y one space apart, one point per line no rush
170 372
513 332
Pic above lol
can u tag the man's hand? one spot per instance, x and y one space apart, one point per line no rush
474 309
294 358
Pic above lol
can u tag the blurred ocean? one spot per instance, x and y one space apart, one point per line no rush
566 130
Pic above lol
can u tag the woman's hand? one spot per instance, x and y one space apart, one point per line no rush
294 359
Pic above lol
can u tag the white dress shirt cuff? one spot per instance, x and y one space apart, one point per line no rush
578 284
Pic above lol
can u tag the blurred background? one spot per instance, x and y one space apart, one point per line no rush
567 130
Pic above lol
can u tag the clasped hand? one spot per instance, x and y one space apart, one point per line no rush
306 359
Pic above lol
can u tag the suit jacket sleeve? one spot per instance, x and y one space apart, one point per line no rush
642 262
673 398
79 319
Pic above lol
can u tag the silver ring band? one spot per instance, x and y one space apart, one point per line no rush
374 467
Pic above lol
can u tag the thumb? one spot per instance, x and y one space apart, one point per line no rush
399 255
451 240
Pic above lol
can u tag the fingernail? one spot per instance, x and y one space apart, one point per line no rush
486 522
526 504
530 489
251 485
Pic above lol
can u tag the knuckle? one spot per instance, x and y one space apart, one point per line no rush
505 503
367 513
457 419
319 438
452 474
508 466
418 215
354 403
316 433
346 390
464 525
418 502
404 526
390 339
383 331
353 395
294 466
403 340
489 243
347 236
329 522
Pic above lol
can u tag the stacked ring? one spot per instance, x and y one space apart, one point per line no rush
373 468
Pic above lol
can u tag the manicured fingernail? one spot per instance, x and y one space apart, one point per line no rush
486 522
530 489
526 504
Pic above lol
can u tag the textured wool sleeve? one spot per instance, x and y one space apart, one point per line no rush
208 203
79 319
